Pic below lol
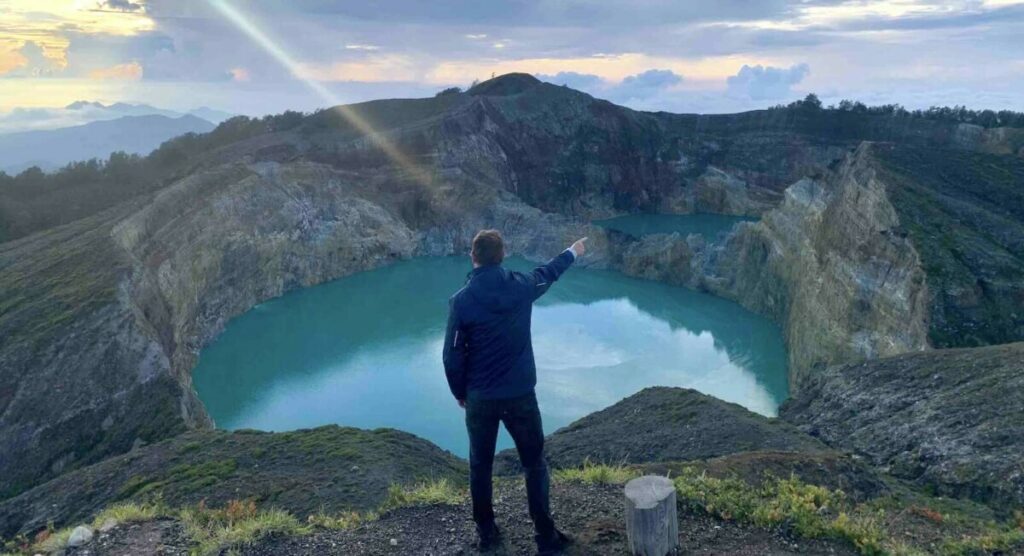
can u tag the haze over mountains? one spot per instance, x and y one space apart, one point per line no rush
54 148
16 119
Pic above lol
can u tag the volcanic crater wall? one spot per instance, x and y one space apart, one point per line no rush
111 310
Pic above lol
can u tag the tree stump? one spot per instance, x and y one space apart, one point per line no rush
652 525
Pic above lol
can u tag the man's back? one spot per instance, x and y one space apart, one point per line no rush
488 360
489 329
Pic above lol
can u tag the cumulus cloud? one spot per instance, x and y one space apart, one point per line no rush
582 81
647 83
766 82
640 86
35 62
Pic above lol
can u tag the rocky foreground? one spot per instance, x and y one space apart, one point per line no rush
347 491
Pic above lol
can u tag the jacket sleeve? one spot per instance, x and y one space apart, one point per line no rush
540 279
454 354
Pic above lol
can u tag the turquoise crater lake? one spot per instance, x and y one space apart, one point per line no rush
711 226
365 351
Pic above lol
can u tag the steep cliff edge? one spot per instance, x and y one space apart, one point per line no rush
832 266
896 249
949 419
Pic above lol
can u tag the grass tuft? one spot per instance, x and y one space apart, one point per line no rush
422 494
344 521
996 542
596 473
129 512
56 541
237 524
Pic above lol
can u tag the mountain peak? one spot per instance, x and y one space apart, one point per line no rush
505 85
79 104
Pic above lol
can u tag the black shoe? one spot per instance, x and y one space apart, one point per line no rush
554 544
490 537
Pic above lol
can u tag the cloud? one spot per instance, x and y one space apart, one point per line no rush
34 62
122 5
131 71
766 83
640 85
76 113
647 83
370 69
581 81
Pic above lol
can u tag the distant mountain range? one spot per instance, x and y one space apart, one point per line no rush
50 149
83 111
95 111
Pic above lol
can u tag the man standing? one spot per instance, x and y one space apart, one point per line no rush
488 359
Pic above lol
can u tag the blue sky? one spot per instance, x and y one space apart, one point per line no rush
267 56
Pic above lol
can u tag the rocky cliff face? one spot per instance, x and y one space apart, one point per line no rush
876 257
949 419
831 265
108 313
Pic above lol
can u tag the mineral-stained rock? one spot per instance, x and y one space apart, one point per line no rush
831 266
949 419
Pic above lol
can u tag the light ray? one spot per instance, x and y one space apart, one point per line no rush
244 24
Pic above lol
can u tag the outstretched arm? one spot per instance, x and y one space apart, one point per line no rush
540 279
454 356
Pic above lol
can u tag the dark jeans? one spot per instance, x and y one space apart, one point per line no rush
521 417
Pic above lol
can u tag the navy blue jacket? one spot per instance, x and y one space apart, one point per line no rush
488 353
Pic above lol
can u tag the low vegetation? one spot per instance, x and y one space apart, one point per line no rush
237 524
952 528
592 473
214 530
441 491
811 511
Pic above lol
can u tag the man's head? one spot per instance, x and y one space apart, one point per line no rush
488 248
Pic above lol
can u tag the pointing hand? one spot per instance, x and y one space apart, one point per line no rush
578 248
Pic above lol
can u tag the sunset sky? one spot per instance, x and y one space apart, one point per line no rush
262 56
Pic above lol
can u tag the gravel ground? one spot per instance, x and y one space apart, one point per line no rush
164 537
592 514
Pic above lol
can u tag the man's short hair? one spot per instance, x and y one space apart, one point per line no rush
488 247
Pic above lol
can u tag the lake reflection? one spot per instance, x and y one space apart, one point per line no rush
365 351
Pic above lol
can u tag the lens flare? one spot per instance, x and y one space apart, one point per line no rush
250 29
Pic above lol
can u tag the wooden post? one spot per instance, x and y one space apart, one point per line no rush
652 525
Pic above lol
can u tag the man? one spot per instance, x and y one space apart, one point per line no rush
488 359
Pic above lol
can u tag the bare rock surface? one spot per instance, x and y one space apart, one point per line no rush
951 420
